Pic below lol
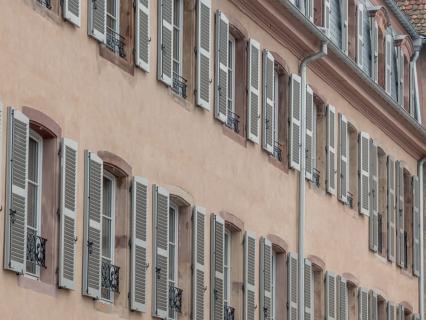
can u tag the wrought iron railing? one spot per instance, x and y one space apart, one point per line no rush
179 85
36 249
278 151
350 200
316 174
45 3
110 276
233 121
115 42
228 313
175 298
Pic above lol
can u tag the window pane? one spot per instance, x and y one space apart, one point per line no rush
172 223
106 237
30 266
107 197
32 205
172 249
111 7
32 160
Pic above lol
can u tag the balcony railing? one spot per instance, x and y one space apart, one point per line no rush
36 249
45 3
179 85
110 276
233 121
278 151
350 200
316 174
115 42
175 298
228 313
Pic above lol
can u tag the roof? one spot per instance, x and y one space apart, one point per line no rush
416 12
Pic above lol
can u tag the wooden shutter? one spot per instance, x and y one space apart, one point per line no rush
309 291
216 269
265 310
363 173
343 177
295 128
360 34
390 311
138 255
165 42
330 296
310 9
326 16
17 176
388 63
93 178
400 62
374 198
400 241
249 276
310 136
416 226
372 308
268 101
400 312
203 53
97 19
390 208
221 77
331 150
374 50
198 262
342 299
253 97
72 11
68 213
142 36
292 291
345 28
160 212
362 304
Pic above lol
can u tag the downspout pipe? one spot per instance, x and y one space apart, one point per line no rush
415 103
301 234
420 172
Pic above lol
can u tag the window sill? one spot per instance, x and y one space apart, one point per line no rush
112 57
234 136
103 306
184 102
277 163
37 286
51 14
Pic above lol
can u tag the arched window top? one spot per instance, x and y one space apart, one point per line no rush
42 123
382 17
232 222
278 243
114 163
404 41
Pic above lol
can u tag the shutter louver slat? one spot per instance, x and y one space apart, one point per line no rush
330 296
343 176
142 36
295 122
165 41
265 298
292 287
97 20
360 34
342 299
310 136
374 200
93 230
268 101
222 52
203 53
72 11
138 244
198 261
249 276
399 191
216 269
363 172
416 226
68 213
309 291
17 175
253 97
362 304
331 150
391 208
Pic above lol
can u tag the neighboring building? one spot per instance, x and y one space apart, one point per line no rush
152 151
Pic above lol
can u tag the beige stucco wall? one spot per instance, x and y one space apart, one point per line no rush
57 69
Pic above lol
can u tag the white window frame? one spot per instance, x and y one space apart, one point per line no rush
231 73
39 141
179 29
227 267
274 285
175 208
113 179
116 18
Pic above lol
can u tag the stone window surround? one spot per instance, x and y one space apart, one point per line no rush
406 44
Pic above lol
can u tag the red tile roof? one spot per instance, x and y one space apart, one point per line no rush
416 11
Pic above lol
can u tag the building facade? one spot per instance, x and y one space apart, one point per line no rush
151 153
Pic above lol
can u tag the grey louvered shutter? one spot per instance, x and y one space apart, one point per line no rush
388 63
17 176
198 262
265 310
374 198
342 299
309 291
253 97
416 226
390 311
331 150
249 276
400 68
142 34
203 53
138 255
93 178
362 304
160 296
72 11
330 296
326 16
310 136
364 173
216 268
345 25
310 9
343 176
68 213
372 307
360 34
165 41
400 312
221 76
390 207
374 50
400 239
295 128
292 292
97 19
268 101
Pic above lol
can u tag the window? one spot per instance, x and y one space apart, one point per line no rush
227 269
35 160
231 83
274 286
108 228
177 44
173 252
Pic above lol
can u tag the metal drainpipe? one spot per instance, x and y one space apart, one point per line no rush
420 172
301 235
